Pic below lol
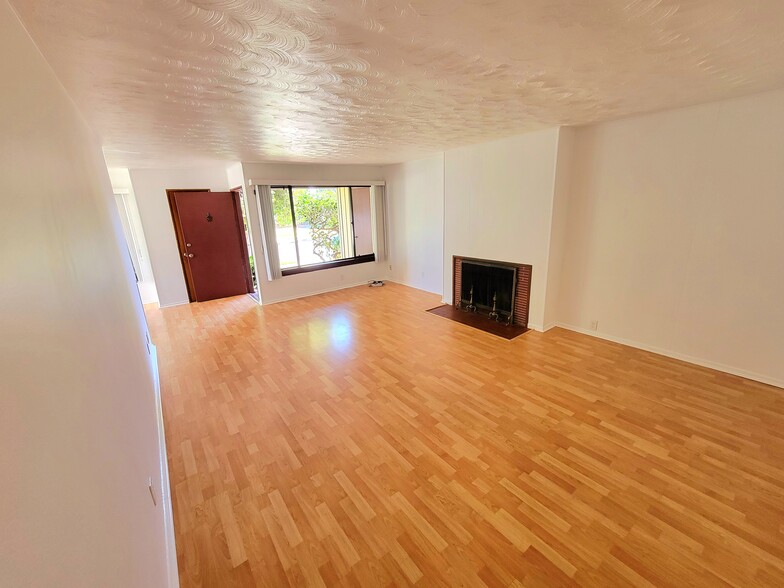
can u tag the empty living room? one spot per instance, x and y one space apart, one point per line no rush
378 293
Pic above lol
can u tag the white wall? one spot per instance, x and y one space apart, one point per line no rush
234 176
150 187
309 283
78 429
558 224
415 201
498 205
674 237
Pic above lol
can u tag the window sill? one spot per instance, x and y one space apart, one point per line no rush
328 265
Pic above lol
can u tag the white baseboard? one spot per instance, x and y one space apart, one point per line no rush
317 292
402 283
166 504
170 304
728 369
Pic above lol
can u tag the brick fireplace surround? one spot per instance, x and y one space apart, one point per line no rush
522 290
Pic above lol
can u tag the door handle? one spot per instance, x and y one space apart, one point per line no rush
187 254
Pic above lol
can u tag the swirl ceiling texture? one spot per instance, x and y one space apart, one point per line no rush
180 82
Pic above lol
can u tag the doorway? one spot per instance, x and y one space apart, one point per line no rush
134 236
212 243
248 242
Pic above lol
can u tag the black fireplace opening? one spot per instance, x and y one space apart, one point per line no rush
480 282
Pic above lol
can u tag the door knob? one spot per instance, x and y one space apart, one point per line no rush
187 254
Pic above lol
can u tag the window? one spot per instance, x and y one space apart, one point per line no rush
320 227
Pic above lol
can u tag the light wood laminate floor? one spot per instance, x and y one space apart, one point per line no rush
354 439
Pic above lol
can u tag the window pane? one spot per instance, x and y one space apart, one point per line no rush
320 233
363 235
284 228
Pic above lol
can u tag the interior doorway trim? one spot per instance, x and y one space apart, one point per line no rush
180 241
251 274
190 284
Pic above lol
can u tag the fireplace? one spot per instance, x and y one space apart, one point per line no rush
489 288
510 283
489 295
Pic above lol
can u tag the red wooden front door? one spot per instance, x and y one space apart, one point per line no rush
214 243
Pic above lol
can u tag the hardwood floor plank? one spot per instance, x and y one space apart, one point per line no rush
346 548
355 495
284 518
352 439
231 530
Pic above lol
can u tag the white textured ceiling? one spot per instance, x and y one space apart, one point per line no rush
376 81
